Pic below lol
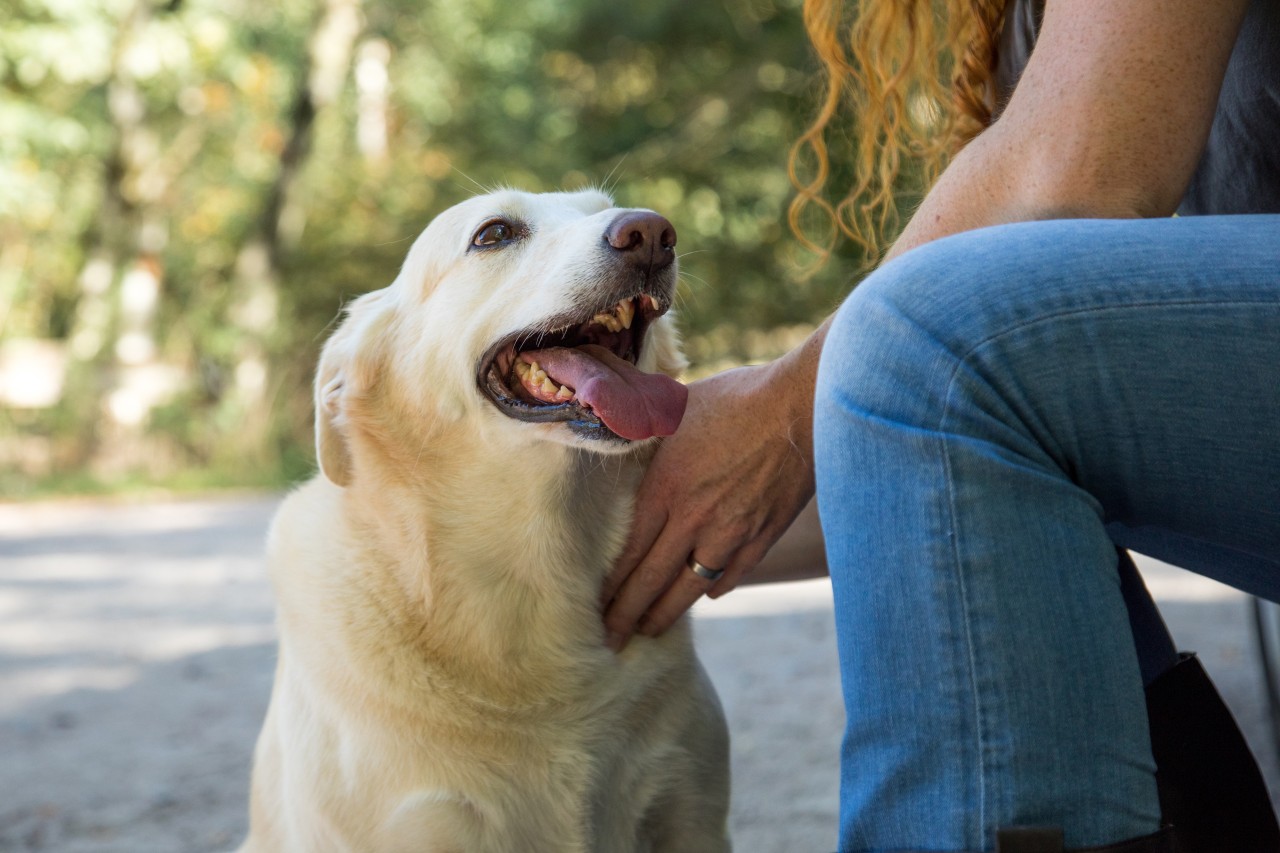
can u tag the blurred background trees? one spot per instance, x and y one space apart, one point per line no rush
190 189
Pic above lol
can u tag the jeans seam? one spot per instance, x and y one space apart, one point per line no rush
1074 312
963 591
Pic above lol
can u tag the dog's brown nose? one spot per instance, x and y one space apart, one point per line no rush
645 238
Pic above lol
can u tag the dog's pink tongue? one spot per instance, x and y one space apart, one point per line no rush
632 403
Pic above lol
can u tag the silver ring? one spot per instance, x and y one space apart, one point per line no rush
704 572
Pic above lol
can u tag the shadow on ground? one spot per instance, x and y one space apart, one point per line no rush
159 765
136 659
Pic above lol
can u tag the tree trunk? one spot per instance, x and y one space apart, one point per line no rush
256 305
111 245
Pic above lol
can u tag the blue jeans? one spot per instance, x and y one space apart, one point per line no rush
996 413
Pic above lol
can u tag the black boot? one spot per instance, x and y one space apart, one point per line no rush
1211 790
1033 839
1038 840
1212 796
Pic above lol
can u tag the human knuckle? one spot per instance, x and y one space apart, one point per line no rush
738 530
618 622
651 576
700 516
657 624
752 554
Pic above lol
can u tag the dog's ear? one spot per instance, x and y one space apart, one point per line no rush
331 445
347 362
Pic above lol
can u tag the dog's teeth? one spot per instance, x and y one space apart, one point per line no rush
548 387
564 394
535 375
522 369
621 317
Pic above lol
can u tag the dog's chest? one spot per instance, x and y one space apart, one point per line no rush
576 778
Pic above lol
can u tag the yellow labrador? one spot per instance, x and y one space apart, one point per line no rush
482 424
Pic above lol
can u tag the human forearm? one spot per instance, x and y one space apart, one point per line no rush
997 179
1108 120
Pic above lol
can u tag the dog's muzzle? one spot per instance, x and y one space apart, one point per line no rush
580 368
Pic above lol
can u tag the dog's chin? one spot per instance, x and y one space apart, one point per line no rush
576 435
568 423
598 347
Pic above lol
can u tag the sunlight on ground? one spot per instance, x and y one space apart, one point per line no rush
137 650
95 595
767 599
1169 583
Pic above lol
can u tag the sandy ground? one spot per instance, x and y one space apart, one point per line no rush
136 658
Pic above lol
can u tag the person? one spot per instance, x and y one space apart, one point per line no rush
1046 367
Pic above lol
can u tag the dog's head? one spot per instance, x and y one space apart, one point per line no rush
541 316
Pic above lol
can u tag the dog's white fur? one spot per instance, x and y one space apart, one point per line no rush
442 681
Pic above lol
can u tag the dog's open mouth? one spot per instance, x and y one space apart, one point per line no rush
583 372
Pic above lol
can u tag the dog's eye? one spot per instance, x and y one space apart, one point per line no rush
493 234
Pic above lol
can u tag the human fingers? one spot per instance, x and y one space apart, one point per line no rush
647 524
663 566
688 587
690 584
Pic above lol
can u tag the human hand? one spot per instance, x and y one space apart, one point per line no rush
723 489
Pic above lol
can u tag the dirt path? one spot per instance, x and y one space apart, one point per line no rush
136 658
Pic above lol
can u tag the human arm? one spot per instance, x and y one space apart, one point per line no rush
1108 120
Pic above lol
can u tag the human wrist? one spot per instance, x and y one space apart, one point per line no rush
790 381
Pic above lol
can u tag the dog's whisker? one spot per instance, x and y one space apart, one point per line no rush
337 317
466 189
616 166
483 189
597 465
683 298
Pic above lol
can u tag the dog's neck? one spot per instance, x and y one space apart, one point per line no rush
502 506
500 557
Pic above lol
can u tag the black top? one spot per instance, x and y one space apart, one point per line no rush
1239 171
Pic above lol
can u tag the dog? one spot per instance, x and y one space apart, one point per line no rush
481 427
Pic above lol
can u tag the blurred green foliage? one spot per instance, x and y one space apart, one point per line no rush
190 189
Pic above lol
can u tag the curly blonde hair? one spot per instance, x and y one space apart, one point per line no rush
914 77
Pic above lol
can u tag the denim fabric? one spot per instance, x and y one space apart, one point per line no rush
995 413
